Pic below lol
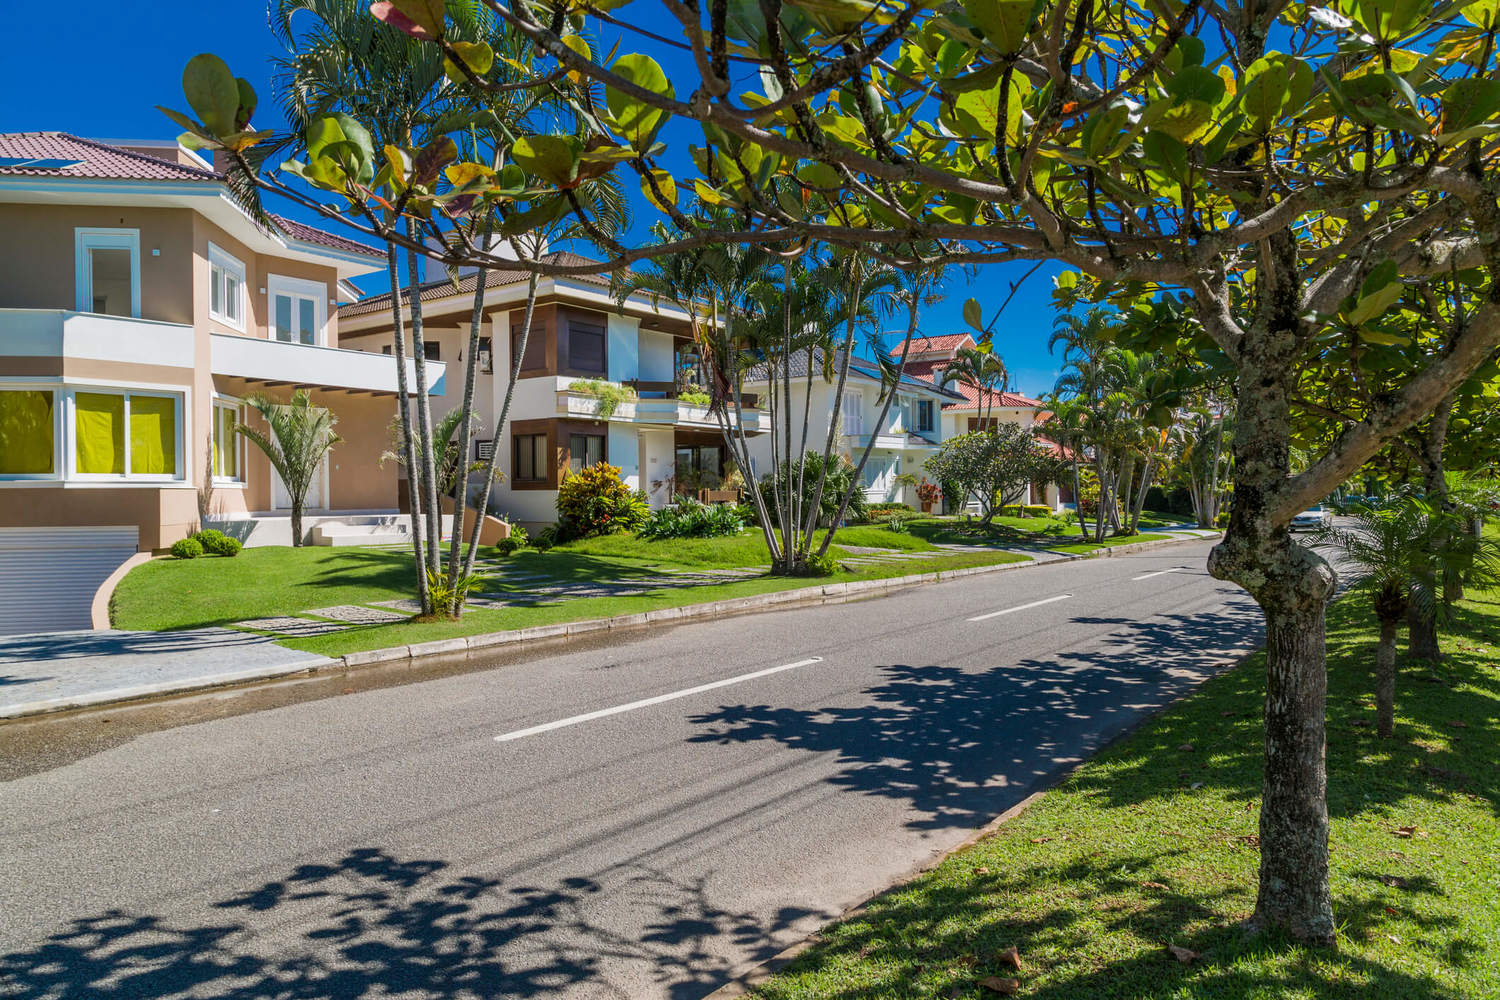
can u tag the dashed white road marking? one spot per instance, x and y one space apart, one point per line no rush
1020 607
1160 572
574 720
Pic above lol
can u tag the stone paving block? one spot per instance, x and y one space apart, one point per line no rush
298 627
403 604
354 614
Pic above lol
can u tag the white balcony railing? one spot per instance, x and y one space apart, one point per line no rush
62 333
308 364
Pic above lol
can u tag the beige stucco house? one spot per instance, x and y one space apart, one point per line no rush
139 306
662 439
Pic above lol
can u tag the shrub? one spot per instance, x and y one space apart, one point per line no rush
609 395
897 523
186 548
217 543
695 398
545 539
596 501
821 565
517 539
1037 510
840 477
689 518
929 492
1222 520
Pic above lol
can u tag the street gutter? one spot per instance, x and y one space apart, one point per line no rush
834 593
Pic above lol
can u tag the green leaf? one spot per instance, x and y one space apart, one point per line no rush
1471 101
1380 291
212 92
635 120
1167 155
1004 22
974 314
1267 87
477 56
552 158
666 184
1196 83
538 215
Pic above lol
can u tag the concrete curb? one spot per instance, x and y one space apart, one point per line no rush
800 596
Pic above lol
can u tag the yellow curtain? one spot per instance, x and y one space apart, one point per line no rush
226 454
26 432
100 429
153 436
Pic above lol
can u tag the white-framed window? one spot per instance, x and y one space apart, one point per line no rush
30 445
299 309
924 415
226 288
107 271
228 447
125 434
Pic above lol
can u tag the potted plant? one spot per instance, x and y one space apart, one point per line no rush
928 494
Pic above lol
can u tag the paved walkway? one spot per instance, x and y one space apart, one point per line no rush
53 670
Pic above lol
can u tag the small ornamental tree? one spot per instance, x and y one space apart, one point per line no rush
298 437
596 501
994 466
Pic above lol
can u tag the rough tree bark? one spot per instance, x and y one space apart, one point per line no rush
1385 677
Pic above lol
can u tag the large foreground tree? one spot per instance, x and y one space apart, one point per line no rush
1289 168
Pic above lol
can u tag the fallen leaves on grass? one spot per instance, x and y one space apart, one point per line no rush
1154 885
1011 957
1186 748
1394 881
1001 985
1184 955
1408 832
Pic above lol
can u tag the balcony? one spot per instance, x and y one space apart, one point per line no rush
279 362
68 335
656 406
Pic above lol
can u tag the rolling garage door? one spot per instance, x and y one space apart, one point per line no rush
48 576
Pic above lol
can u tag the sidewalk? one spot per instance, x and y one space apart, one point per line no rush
54 671
51 671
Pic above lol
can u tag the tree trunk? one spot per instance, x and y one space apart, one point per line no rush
403 413
426 480
1421 631
465 432
1294 894
1293 585
1385 678
296 522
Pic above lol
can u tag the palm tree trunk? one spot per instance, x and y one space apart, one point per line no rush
1083 524
1421 627
500 421
408 446
464 432
425 458
296 522
1385 678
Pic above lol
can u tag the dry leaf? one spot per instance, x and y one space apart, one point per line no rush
1392 911
1186 748
1011 957
1195 786
1405 832
1458 724
1394 939
1226 715
1183 955
1041 840
1394 881
999 984
1249 840
981 870
1153 885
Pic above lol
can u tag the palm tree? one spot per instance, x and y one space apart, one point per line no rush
983 370
1383 552
298 438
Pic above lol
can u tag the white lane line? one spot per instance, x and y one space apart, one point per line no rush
1021 607
1160 572
645 702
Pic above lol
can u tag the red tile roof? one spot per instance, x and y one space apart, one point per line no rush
929 371
96 160
311 234
943 342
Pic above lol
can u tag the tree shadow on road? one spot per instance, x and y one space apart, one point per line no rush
961 745
374 925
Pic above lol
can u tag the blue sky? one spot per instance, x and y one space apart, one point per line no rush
128 58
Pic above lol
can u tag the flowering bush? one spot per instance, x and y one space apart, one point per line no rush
929 492
596 501
689 518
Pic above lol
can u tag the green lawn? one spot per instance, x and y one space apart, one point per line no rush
264 582
1152 844
1111 542
1051 533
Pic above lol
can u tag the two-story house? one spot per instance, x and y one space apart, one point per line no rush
910 434
598 382
139 306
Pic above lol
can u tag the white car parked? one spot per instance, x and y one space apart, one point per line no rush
1312 519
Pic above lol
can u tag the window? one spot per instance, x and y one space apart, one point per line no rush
536 348
386 349
530 458
585 345
432 350
924 415
107 271
28 436
585 450
226 288
484 449
297 309
126 434
227 461
486 357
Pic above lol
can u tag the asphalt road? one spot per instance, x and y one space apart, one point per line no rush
386 844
